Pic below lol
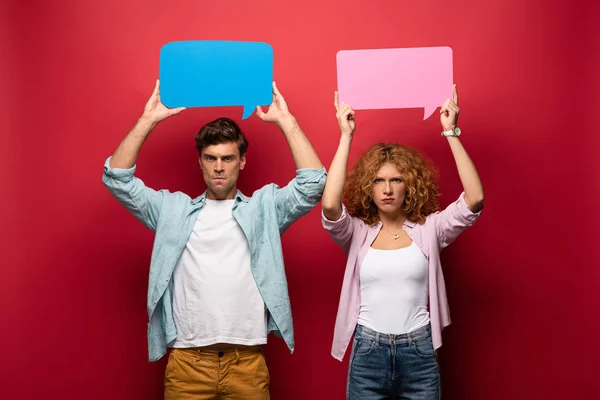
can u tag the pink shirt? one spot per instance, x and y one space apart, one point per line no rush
355 237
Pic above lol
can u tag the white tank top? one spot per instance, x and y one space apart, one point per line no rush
215 297
394 290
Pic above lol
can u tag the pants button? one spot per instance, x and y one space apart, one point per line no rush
221 354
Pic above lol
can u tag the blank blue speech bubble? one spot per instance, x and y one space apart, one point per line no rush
213 73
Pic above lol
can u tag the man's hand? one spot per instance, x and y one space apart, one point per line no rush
345 117
449 112
278 111
155 111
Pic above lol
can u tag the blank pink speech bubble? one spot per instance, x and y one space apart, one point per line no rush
395 78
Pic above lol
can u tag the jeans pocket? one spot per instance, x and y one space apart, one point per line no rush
424 347
364 347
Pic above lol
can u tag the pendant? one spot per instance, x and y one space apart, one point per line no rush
396 237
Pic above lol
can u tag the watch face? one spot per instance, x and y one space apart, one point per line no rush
457 131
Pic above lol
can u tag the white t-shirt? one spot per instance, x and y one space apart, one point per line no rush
394 290
215 297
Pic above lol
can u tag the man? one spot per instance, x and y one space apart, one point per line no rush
217 282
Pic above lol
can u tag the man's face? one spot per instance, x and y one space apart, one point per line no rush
221 165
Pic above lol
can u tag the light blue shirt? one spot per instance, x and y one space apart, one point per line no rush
263 217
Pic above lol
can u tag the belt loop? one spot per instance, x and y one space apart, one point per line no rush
377 337
237 356
411 337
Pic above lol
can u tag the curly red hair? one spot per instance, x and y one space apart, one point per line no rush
419 174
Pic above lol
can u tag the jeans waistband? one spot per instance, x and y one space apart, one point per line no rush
385 338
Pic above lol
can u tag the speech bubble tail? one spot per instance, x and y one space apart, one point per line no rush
428 111
248 111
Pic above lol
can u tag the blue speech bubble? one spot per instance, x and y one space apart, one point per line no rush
213 73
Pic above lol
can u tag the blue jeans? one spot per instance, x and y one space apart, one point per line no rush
383 366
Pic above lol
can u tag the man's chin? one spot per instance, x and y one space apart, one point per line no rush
220 191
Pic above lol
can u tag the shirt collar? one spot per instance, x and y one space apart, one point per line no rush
239 196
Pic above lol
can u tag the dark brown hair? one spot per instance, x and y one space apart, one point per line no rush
222 130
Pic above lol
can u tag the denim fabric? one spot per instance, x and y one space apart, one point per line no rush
383 366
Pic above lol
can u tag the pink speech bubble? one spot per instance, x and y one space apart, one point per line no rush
395 78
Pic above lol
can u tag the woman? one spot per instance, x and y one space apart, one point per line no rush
393 296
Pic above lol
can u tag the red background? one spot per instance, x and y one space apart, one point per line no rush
523 283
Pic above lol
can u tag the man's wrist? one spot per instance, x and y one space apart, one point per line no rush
145 125
146 120
287 123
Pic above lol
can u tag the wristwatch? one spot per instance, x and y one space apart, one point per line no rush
452 132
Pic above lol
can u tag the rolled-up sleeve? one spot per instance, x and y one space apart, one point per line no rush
299 196
340 230
143 202
453 220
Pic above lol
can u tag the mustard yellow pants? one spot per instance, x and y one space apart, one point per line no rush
212 374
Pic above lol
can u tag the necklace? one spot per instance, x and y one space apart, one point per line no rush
395 235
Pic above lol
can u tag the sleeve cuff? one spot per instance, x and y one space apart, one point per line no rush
310 175
464 209
118 173
329 224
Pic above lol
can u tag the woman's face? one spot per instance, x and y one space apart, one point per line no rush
389 189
